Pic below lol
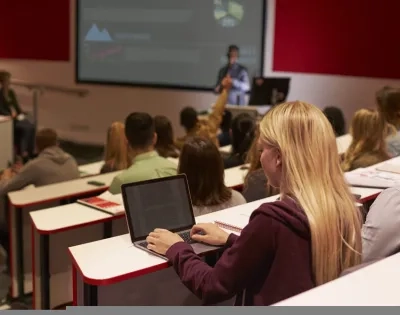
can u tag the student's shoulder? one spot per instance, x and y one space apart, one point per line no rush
237 198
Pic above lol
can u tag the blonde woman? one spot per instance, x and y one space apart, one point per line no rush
289 246
116 154
368 147
255 183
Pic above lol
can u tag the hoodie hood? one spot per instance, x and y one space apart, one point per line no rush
56 154
288 213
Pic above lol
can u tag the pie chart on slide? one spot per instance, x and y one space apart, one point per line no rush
228 13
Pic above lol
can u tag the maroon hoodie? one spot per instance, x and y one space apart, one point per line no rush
270 261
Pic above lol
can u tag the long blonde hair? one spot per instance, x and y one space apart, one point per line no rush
117 152
369 131
312 176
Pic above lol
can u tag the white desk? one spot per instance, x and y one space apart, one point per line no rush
7 142
91 169
367 194
364 181
343 143
22 203
226 149
53 231
234 177
373 285
114 279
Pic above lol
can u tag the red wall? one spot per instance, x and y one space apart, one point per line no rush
35 29
346 37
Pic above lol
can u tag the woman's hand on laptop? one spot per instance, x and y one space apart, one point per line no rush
161 240
209 233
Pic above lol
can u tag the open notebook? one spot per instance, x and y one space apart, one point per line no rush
235 223
106 202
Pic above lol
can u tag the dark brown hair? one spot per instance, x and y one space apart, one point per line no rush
201 161
46 138
165 137
139 130
388 101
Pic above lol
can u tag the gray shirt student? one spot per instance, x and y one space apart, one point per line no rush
380 233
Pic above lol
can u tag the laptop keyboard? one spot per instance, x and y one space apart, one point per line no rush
185 236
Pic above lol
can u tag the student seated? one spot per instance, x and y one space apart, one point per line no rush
380 232
165 145
146 164
336 118
116 155
388 100
256 186
51 166
289 246
224 137
243 129
205 128
201 161
24 130
368 145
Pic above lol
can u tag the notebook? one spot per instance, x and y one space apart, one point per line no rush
106 202
235 223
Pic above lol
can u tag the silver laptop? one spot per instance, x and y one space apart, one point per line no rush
160 203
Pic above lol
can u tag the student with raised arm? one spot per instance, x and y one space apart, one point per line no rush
305 239
209 127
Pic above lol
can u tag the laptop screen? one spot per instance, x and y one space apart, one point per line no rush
164 203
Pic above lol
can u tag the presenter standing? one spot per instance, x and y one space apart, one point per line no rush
239 75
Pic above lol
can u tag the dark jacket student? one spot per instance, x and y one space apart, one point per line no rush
289 246
24 130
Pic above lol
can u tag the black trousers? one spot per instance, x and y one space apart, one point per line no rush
24 136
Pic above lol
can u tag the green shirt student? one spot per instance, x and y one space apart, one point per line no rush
146 164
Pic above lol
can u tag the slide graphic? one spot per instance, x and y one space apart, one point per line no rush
95 35
228 13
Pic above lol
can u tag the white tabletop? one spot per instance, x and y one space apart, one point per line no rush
123 260
23 198
91 168
366 193
343 143
235 176
225 149
55 219
374 285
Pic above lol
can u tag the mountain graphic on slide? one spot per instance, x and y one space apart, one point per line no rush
95 35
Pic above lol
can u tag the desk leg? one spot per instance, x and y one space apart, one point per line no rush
107 229
44 248
20 252
89 295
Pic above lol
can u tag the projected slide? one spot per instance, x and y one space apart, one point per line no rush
174 43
